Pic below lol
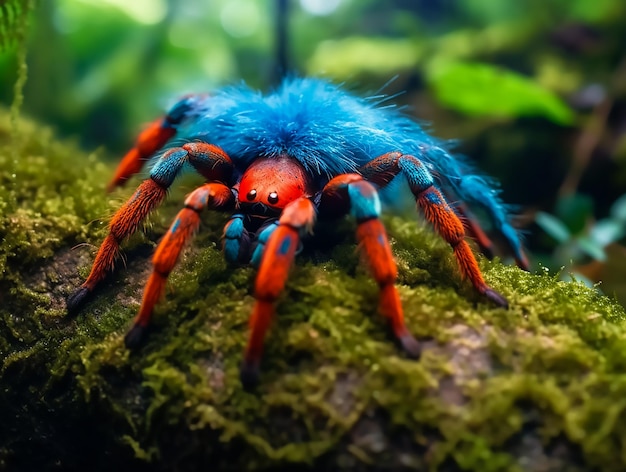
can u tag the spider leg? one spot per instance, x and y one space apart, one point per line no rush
477 191
235 239
296 219
151 140
261 240
351 192
207 159
381 170
475 231
215 196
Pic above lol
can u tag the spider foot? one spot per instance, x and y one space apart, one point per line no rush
249 374
76 300
135 336
495 297
410 345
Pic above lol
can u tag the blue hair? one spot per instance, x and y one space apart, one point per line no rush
331 131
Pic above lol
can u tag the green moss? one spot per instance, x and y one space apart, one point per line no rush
539 385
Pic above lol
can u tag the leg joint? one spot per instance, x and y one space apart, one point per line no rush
179 111
417 175
364 201
210 161
168 166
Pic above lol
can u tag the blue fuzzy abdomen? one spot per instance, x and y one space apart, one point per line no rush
326 129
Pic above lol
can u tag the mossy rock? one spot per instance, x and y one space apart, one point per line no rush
538 387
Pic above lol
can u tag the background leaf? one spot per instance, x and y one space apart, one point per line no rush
592 248
605 232
575 211
553 226
485 90
618 209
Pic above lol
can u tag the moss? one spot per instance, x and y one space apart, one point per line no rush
539 386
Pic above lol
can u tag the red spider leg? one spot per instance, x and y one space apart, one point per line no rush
151 140
215 196
148 142
381 171
475 231
207 159
350 191
484 242
296 219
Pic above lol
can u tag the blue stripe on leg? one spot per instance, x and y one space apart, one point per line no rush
416 173
233 231
462 179
264 235
364 201
167 167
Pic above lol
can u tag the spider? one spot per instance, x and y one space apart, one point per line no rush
278 161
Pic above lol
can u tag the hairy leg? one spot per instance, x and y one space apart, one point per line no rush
352 193
434 206
152 139
472 189
279 252
212 195
208 160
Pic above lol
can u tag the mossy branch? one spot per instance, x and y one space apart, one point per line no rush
537 387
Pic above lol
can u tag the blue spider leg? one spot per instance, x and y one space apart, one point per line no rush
208 160
351 193
216 196
261 241
153 138
446 222
233 239
239 246
476 190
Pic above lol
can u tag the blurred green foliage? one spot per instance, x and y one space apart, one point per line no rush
13 14
533 90
577 238
491 91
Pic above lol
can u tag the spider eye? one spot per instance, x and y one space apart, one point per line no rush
272 198
251 195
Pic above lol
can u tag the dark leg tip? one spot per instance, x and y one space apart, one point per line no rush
495 297
76 300
410 345
488 252
249 375
135 336
522 261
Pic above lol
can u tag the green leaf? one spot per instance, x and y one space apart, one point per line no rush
485 90
553 226
618 209
591 248
605 232
575 211
344 58
595 11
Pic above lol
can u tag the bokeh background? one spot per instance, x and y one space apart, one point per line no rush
534 90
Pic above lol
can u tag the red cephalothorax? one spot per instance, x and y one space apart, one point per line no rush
274 182
274 164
